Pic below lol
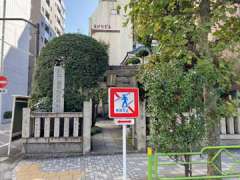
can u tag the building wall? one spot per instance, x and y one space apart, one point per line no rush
50 15
16 51
106 25
20 42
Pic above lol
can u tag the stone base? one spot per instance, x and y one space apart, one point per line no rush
228 140
52 149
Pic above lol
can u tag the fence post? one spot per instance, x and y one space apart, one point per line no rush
149 164
26 123
141 128
87 124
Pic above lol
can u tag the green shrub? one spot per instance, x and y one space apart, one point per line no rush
7 115
84 59
133 60
96 130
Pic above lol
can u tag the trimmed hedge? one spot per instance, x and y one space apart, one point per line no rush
85 60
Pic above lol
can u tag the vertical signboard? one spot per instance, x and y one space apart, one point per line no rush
19 102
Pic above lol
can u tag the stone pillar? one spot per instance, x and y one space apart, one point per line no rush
37 128
56 127
141 127
238 121
230 122
87 124
223 126
58 89
75 127
47 127
66 127
26 123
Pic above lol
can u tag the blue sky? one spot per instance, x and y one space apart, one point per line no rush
77 14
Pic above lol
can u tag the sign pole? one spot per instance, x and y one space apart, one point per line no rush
124 152
124 104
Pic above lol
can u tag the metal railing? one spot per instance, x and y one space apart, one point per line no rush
153 163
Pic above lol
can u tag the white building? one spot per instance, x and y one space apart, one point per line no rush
106 25
19 47
15 51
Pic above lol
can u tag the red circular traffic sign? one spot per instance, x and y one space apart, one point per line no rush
3 82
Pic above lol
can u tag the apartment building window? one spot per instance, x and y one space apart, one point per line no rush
57 30
47 28
59 10
58 20
114 12
47 15
45 40
48 2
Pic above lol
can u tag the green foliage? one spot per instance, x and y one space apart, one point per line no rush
96 130
133 60
7 115
85 60
172 93
142 53
188 71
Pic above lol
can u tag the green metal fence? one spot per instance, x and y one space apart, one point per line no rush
231 172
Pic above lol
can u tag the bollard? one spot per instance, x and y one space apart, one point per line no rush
149 166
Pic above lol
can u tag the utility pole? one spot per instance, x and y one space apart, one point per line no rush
3 37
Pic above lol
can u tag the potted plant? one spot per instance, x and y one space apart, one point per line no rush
7 115
133 61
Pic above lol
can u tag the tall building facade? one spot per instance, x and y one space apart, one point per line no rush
49 15
106 25
18 48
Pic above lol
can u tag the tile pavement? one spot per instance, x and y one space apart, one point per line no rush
102 167
107 167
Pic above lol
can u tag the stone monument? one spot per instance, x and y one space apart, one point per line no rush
58 87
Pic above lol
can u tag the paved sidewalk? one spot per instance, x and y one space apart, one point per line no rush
109 141
4 139
107 167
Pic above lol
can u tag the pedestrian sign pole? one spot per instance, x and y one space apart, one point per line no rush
124 129
124 107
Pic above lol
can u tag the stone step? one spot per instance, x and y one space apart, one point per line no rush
119 84
123 80
123 67
122 73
